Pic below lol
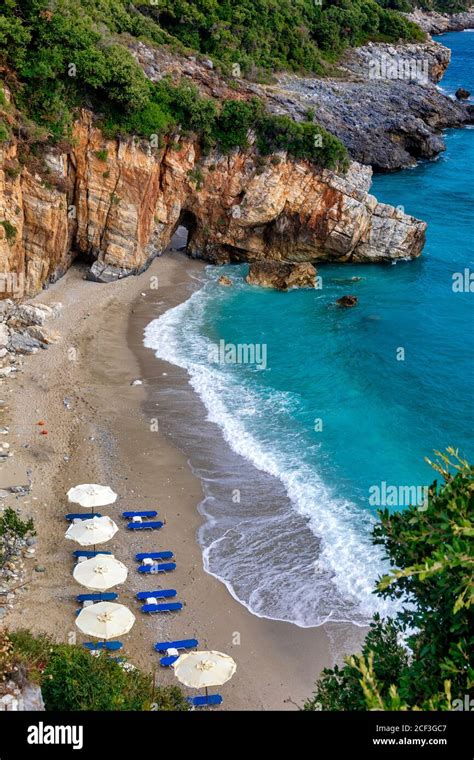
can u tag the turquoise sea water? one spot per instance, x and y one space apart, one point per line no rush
335 413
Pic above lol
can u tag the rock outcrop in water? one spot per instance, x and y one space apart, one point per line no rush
119 202
275 274
385 107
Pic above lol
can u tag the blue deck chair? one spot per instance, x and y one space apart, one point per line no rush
83 553
209 700
150 525
149 513
81 516
163 646
109 596
109 646
162 593
166 607
169 660
153 555
165 567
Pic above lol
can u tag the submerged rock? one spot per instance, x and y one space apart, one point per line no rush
462 94
224 280
281 275
347 301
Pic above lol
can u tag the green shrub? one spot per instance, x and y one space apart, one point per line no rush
431 551
72 679
196 177
10 231
5 134
12 524
233 123
301 140
12 529
102 155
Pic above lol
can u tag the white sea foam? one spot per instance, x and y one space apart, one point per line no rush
307 588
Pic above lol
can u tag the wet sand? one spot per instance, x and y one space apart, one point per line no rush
108 435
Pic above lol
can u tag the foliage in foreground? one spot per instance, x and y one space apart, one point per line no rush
12 530
72 679
432 553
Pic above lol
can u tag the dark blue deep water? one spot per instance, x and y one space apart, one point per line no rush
335 412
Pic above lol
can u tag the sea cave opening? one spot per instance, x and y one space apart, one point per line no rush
184 231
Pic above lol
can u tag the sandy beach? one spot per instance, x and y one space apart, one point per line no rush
102 428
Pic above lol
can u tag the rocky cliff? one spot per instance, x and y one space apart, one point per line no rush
382 102
438 23
118 202
384 105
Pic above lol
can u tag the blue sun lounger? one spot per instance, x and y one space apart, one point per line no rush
166 662
81 516
106 597
170 659
162 593
165 567
109 646
129 515
166 607
205 701
163 646
150 525
83 553
153 555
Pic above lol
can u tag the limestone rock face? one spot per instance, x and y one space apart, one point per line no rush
120 201
275 274
35 229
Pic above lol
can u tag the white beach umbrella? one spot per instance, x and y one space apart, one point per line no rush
105 620
97 530
91 495
100 572
199 670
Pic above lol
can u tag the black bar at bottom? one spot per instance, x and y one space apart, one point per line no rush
117 735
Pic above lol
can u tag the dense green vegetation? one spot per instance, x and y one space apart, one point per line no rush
277 33
61 59
432 552
60 54
72 679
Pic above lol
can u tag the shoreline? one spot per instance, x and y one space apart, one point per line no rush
105 437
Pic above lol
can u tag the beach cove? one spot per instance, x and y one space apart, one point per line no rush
132 438
105 437
350 400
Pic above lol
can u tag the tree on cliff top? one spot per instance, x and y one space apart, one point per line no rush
431 552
